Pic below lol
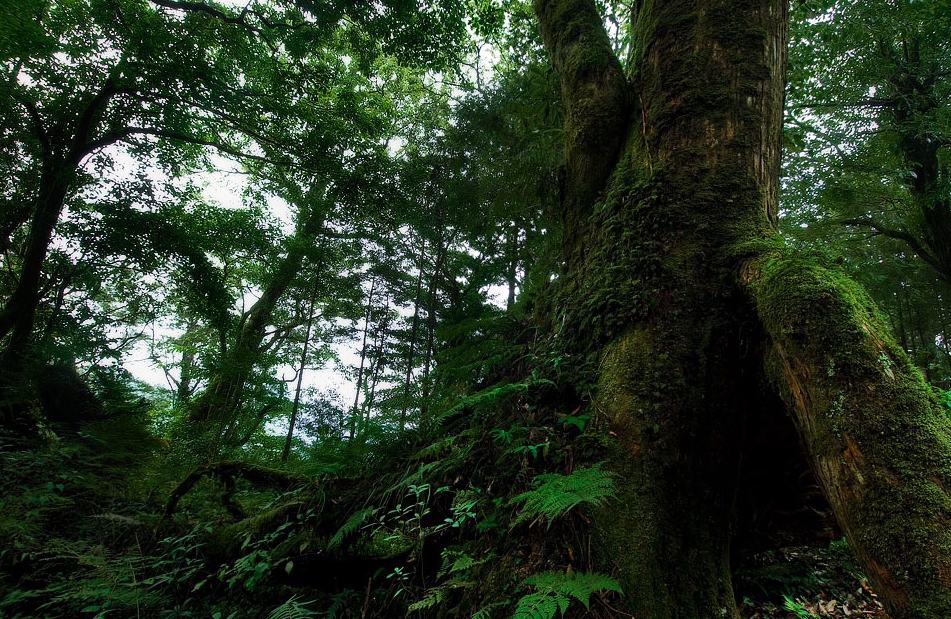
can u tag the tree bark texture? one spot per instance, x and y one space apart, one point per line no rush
880 446
683 312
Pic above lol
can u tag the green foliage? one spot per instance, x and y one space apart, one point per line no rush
795 607
265 552
341 602
487 397
866 178
293 609
578 421
556 494
352 524
407 525
944 398
72 535
179 562
457 565
109 582
541 605
555 590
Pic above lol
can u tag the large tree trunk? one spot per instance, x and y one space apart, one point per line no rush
678 302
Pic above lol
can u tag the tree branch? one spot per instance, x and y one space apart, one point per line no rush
900 235
38 127
230 471
870 102
91 116
596 97
240 20
119 134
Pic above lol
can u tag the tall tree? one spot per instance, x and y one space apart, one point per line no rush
680 301
94 88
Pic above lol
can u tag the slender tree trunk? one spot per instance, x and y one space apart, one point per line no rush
898 323
355 410
286 452
945 333
511 275
414 332
185 388
431 330
678 296
377 363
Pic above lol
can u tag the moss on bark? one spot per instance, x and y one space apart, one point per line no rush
648 308
669 540
879 444
650 312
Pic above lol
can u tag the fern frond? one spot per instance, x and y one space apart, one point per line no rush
456 561
341 602
292 609
352 524
486 611
540 605
580 586
433 596
437 448
556 494
486 397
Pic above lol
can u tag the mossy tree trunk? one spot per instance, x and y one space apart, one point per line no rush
681 302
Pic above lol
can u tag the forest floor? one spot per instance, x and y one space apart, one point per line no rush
803 582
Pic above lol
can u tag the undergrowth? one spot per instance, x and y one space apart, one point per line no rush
481 513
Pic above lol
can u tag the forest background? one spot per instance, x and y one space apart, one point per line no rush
400 163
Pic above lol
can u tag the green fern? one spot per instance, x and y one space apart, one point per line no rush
580 586
352 524
540 605
454 561
555 495
486 611
486 397
292 609
348 598
433 596
555 591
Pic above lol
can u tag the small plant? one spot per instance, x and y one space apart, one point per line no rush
456 568
555 494
352 525
840 547
795 607
944 397
292 609
181 561
555 590
886 364
505 436
250 569
535 450
578 421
